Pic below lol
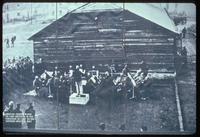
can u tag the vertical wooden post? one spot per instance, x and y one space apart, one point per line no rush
180 117
57 89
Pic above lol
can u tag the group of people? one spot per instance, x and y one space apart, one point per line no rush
61 84
7 41
17 72
13 117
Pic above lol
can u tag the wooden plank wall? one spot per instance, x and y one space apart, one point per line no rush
101 40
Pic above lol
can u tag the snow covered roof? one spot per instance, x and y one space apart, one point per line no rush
100 7
149 11
152 13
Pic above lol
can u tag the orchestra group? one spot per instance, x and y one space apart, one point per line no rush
60 85
77 78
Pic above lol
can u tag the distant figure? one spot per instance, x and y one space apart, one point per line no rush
7 42
39 67
183 32
13 41
184 56
37 84
30 117
18 117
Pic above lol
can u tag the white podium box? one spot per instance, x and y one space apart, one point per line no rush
82 99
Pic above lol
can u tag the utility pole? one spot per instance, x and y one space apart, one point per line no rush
31 13
123 32
58 115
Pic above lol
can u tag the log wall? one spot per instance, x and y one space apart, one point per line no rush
131 38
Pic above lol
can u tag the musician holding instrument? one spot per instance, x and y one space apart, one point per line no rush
140 77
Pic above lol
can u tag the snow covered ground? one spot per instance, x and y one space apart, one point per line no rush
22 31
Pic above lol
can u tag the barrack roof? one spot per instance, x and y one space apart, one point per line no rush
148 11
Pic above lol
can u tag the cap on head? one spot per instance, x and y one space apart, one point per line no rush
81 65
107 73
93 67
11 103
77 66
36 77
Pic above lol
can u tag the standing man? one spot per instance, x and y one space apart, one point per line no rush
184 56
77 79
183 32
37 84
13 41
30 117
18 117
7 42
56 84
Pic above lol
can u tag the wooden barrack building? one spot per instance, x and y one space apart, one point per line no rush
131 34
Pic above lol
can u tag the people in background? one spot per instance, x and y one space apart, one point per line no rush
13 41
82 70
95 72
7 42
184 32
184 56
56 72
37 84
56 84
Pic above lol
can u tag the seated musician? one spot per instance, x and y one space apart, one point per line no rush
81 69
140 77
141 74
56 72
95 72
